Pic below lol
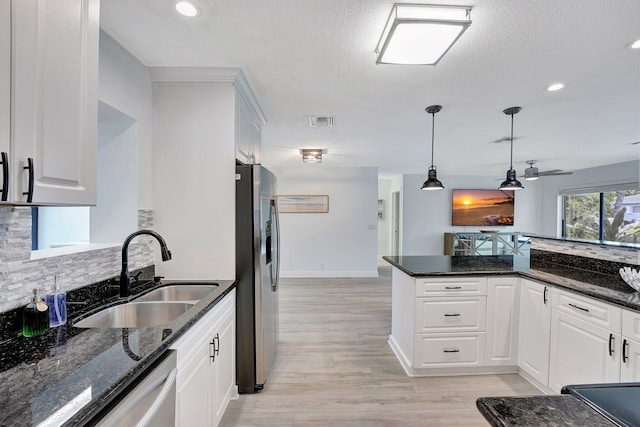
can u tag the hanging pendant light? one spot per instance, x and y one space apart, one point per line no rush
432 182
511 183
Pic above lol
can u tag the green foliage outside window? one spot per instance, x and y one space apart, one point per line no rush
582 217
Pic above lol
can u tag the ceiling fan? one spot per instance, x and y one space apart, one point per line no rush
531 173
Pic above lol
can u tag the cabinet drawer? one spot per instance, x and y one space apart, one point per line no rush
444 350
451 286
631 324
450 314
597 312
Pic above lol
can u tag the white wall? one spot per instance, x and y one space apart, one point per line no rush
125 85
115 215
427 214
194 178
550 203
341 243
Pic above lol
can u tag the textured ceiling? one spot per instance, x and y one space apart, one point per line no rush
316 57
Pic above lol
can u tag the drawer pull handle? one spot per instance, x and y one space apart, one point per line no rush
455 350
586 310
452 315
610 344
625 343
453 287
544 295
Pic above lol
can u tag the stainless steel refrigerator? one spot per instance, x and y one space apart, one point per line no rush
257 274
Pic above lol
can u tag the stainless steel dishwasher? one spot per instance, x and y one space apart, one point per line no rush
151 403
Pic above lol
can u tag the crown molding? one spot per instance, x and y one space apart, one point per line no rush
231 75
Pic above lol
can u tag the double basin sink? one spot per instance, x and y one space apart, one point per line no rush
159 306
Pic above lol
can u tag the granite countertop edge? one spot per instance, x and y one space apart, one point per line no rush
629 300
549 410
96 405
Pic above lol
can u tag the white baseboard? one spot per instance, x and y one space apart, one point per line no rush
404 361
305 274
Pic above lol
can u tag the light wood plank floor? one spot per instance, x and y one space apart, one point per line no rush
334 367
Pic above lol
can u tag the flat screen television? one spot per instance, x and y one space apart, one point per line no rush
482 207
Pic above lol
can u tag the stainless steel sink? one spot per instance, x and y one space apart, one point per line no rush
191 293
135 315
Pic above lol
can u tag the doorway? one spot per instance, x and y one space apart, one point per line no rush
395 223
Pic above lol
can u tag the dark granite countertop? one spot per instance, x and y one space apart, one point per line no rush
446 265
551 411
605 287
90 365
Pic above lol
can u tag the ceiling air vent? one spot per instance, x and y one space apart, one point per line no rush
320 121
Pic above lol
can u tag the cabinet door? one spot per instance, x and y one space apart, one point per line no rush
581 352
502 321
5 86
534 330
194 396
224 366
248 136
55 102
630 367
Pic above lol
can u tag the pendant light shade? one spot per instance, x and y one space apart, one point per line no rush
511 182
432 182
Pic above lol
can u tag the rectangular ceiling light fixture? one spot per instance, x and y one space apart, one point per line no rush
311 155
420 34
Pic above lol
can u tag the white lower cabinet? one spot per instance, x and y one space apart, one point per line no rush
502 321
581 352
454 325
585 341
534 331
630 357
206 367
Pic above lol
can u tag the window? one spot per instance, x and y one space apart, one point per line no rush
612 216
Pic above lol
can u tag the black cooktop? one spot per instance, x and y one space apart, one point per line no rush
619 402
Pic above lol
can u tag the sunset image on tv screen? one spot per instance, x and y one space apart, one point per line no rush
482 207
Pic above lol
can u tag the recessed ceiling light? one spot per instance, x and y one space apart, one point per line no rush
186 8
555 86
635 44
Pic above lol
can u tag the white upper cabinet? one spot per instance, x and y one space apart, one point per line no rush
5 95
248 133
54 76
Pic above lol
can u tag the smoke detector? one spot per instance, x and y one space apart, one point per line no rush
320 121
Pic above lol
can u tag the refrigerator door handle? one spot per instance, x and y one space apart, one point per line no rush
276 221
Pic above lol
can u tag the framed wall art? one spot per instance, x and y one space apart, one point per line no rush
303 204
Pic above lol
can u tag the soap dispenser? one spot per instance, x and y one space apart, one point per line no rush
35 317
57 302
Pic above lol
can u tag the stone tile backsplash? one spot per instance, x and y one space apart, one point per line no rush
588 250
19 274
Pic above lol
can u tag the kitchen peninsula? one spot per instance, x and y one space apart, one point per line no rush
556 318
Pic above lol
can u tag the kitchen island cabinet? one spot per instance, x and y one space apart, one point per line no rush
53 101
440 322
